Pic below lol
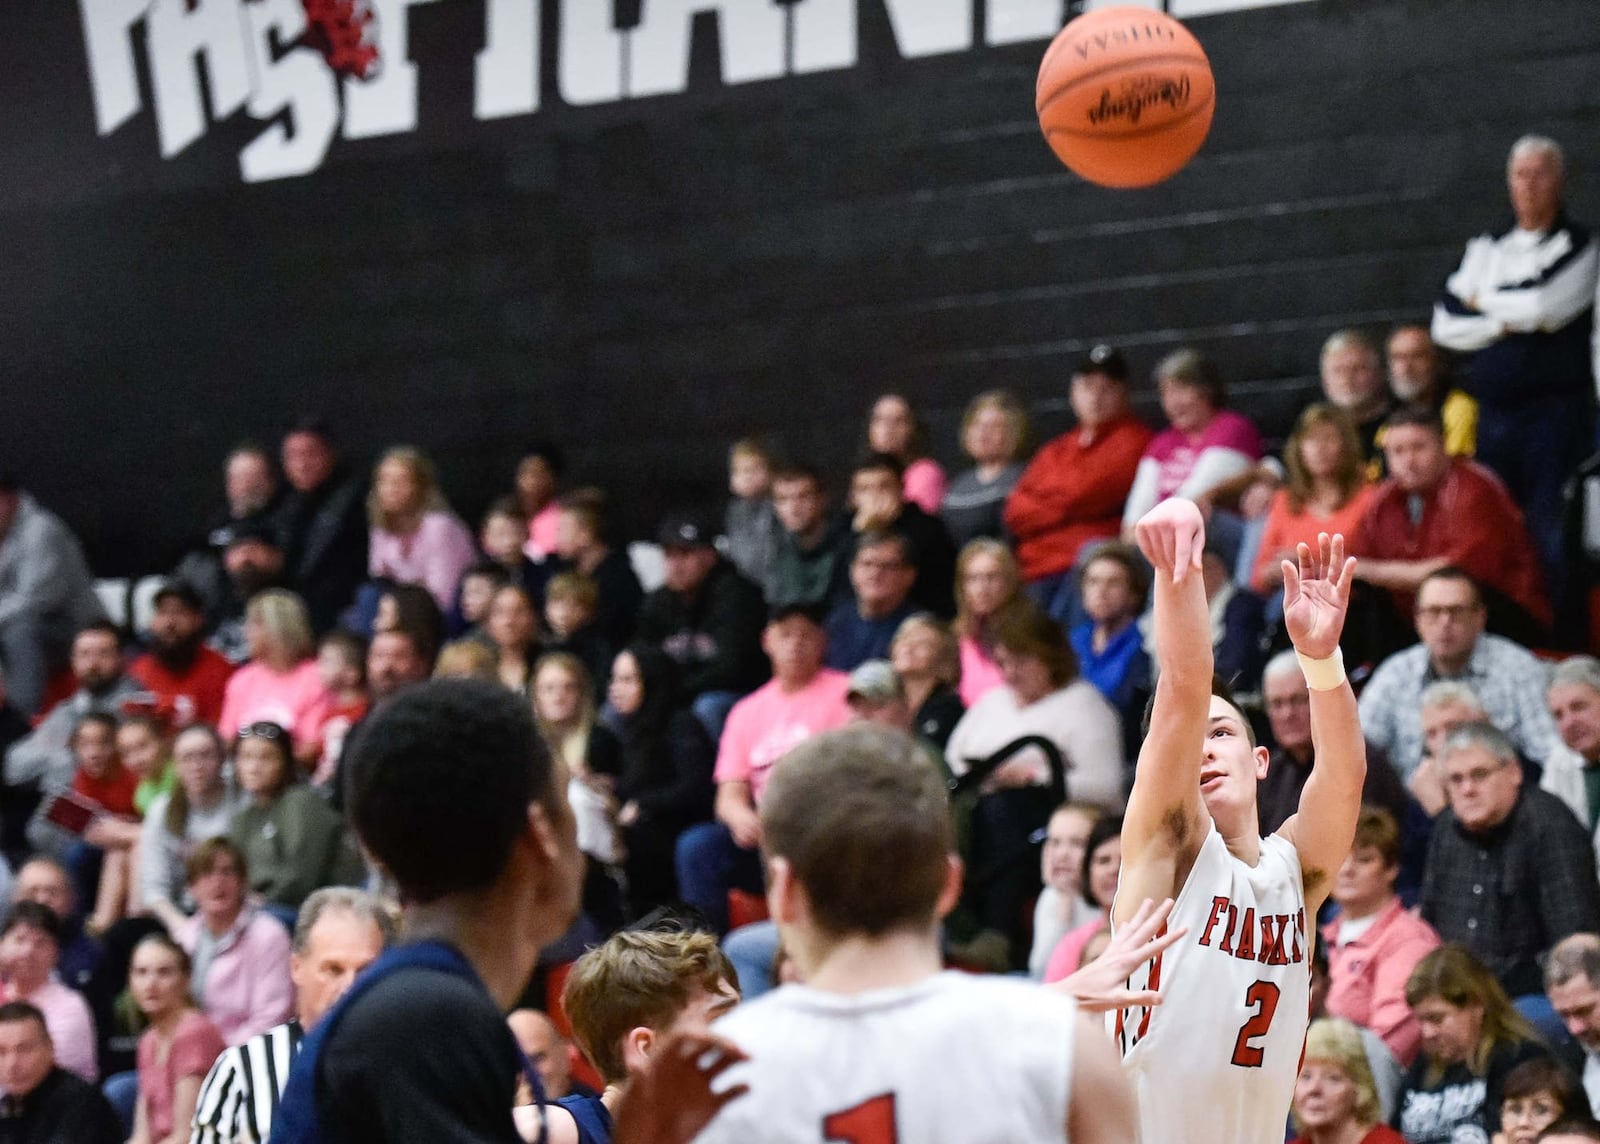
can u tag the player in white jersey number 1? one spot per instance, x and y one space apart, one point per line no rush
1217 1061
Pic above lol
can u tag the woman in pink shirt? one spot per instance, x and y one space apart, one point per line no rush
281 683
178 1048
1327 490
1102 865
538 478
895 429
416 538
988 588
1375 943
243 953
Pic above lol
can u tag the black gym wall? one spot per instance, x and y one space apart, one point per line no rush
647 279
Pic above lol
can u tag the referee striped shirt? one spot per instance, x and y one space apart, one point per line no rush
241 1092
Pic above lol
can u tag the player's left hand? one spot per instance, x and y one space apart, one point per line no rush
1316 595
672 1098
1103 983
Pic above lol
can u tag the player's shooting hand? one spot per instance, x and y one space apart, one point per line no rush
1316 595
1103 983
672 1098
1172 537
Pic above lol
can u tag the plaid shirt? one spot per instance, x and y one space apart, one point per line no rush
1512 892
1508 678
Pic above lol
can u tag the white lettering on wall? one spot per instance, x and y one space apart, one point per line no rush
1018 21
824 36
507 69
931 27
179 36
297 82
592 52
107 25
752 33
386 105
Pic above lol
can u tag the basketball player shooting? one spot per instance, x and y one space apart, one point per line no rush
1218 1060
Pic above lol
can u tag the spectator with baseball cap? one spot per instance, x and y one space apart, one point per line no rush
252 562
707 618
1071 495
186 677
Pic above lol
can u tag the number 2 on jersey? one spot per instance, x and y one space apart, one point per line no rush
870 1122
1265 995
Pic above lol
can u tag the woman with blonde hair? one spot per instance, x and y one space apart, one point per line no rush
988 590
281 683
1327 490
415 538
927 658
994 433
1335 1098
1472 1037
467 659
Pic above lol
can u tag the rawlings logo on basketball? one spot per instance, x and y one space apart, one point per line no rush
1137 95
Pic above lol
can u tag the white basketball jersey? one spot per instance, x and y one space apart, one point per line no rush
1217 1059
954 1059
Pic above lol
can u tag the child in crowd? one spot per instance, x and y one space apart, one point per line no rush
477 588
571 603
750 524
342 663
624 998
145 750
1061 907
502 537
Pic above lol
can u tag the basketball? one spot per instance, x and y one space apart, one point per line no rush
1125 96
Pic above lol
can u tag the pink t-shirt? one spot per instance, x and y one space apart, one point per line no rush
196 1045
1067 958
766 724
257 694
1176 452
434 556
924 484
979 673
542 532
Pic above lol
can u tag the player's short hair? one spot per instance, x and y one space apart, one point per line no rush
1337 1042
1220 689
439 782
1453 975
862 817
638 978
1376 827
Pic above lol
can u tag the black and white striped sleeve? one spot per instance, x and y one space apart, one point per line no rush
241 1092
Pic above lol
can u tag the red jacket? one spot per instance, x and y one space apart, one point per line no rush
1072 495
194 696
1471 521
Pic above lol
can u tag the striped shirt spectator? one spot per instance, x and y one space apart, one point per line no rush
241 1093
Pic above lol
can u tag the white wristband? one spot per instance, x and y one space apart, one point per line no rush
1323 674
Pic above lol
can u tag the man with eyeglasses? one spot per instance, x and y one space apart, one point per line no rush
1508 679
1510 871
881 576
1288 702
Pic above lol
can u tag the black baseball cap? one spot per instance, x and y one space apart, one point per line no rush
182 591
1102 359
686 530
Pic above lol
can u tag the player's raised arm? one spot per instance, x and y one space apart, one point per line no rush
1316 594
1166 818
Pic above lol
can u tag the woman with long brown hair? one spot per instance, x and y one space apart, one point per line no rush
988 592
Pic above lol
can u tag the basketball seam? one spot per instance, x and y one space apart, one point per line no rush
1080 133
1144 61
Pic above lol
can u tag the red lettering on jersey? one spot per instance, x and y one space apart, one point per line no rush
1247 936
1226 944
1155 984
1297 954
1274 927
1218 904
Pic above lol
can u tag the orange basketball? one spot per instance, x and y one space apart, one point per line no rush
1125 96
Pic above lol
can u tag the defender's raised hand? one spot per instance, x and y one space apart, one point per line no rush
1172 537
1316 595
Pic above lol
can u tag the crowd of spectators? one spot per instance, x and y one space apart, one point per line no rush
171 814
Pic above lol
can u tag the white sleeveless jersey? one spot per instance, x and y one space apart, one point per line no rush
1217 1059
954 1059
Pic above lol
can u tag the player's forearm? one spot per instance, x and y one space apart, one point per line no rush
1183 632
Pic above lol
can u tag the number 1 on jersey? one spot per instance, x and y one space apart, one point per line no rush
870 1122
1265 995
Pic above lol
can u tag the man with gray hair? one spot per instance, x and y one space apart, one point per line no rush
1510 871
1572 770
1443 706
1572 982
338 933
1352 379
1288 702
1520 308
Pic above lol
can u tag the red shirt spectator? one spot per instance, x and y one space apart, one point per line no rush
114 789
187 678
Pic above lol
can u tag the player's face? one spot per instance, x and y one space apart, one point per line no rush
1061 861
1324 1096
1365 881
1577 1003
1229 766
1522 1118
1449 1032
1576 709
703 1008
